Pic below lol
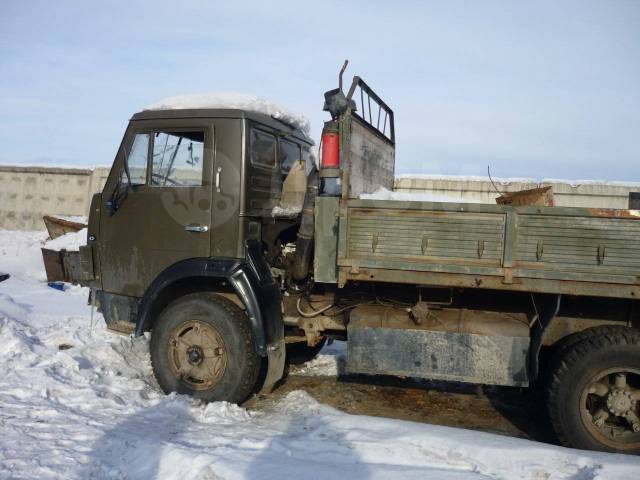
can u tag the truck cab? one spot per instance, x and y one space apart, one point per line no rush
189 196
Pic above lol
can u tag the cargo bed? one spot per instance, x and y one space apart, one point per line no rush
575 251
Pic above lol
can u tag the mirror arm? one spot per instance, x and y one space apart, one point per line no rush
114 201
126 167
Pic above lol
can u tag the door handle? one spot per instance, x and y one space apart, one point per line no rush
193 227
218 171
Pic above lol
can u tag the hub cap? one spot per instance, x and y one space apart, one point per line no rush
197 354
610 409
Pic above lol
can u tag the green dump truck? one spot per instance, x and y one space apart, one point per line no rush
216 232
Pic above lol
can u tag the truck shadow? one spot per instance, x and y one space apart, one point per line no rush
503 410
310 448
165 441
525 409
133 449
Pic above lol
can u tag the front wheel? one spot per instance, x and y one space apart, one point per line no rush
594 396
202 345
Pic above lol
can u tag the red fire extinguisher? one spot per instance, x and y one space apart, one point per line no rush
330 146
330 162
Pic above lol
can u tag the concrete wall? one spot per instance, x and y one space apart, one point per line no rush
566 193
28 193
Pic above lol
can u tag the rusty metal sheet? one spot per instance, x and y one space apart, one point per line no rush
62 266
53 265
493 360
56 227
534 196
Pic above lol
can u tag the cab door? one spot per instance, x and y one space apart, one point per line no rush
159 212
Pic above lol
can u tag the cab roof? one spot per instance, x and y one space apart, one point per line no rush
267 120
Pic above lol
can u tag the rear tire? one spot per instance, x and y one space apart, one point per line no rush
594 394
202 345
565 344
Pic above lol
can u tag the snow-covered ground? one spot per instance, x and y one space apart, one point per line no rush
71 242
78 402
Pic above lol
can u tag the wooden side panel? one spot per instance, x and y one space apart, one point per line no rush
527 248
426 236
576 244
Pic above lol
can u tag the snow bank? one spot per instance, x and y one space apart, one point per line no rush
469 178
329 363
508 181
20 254
78 402
52 164
288 211
577 183
71 242
73 218
232 100
384 194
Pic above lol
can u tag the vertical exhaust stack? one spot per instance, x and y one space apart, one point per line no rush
336 104
304 243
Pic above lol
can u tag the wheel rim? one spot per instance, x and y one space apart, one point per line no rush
197 355
610 408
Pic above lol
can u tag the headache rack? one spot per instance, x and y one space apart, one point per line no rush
378 116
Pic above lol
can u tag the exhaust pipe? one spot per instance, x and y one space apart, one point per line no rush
304 243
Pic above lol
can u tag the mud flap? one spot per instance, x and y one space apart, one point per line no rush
275 370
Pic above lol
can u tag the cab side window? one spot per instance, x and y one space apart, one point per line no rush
263 148
177 158
289 153
137 160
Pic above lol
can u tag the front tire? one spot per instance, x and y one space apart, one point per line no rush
202 345
594 395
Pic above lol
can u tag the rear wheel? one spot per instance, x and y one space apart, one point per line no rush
594 396
202 345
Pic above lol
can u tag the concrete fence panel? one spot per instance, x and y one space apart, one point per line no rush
28 193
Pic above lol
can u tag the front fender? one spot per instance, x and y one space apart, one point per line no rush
251 280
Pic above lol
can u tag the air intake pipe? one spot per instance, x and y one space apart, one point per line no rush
304 243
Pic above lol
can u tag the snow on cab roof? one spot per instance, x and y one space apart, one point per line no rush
232 101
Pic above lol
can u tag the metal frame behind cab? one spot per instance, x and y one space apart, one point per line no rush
368 115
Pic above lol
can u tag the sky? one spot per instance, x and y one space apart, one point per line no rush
545 89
